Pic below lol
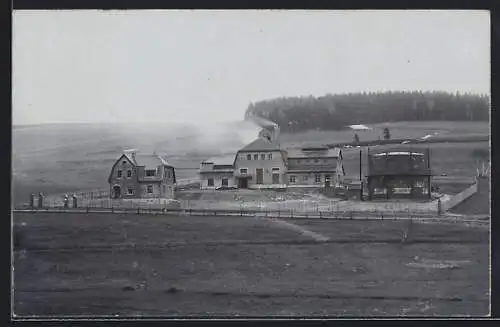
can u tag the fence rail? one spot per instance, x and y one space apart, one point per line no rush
241 213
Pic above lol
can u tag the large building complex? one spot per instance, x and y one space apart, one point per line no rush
264 164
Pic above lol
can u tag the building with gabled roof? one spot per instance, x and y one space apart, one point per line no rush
135 176
260 164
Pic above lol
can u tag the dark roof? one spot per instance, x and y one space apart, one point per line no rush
147 160
318 152
226 160
261 144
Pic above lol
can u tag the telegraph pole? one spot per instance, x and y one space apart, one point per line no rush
360 176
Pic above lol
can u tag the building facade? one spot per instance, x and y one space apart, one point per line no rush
260 164
314 167
399 173
135 176
217 173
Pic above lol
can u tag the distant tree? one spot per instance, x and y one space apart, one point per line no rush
387 134
356 138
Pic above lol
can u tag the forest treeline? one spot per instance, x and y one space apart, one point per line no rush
333 112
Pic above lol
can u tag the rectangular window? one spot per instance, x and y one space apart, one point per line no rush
243 170
129 173
262 157
317 178
249 157
304 177
270 156
255 157
225 182
150 172
210 182
130 191
119 174
292 180
276 169
150 189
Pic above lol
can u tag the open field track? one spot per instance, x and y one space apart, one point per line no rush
214 266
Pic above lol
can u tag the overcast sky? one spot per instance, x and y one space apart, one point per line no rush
207 66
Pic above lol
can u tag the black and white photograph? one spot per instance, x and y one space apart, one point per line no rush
250 163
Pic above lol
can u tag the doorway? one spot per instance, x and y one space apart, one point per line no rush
117 192
328 180
243 183
276 178
259 179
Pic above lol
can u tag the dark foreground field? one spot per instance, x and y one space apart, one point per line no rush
77 264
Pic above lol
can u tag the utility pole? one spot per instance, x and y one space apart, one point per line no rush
360 176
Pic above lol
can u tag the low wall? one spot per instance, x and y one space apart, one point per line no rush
459 198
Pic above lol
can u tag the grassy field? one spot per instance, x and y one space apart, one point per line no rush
68 157
212 266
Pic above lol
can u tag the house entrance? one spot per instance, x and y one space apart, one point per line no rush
259 179
116 192
328 181
242 183
276 178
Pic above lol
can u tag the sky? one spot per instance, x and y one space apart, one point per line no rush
91 66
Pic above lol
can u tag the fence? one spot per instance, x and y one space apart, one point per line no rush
458 198
343 215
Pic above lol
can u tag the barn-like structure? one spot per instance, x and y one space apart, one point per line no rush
399 173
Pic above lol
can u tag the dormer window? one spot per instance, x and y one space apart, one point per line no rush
150 172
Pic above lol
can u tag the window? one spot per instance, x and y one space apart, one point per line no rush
150 172
262 157
225 182
270 156
124 162
316 160
276 169
119 173
255 157
168 173
163 188
292 179
317 178
243 170
130 191
304 177
210 182
129 173
150 189
249 157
